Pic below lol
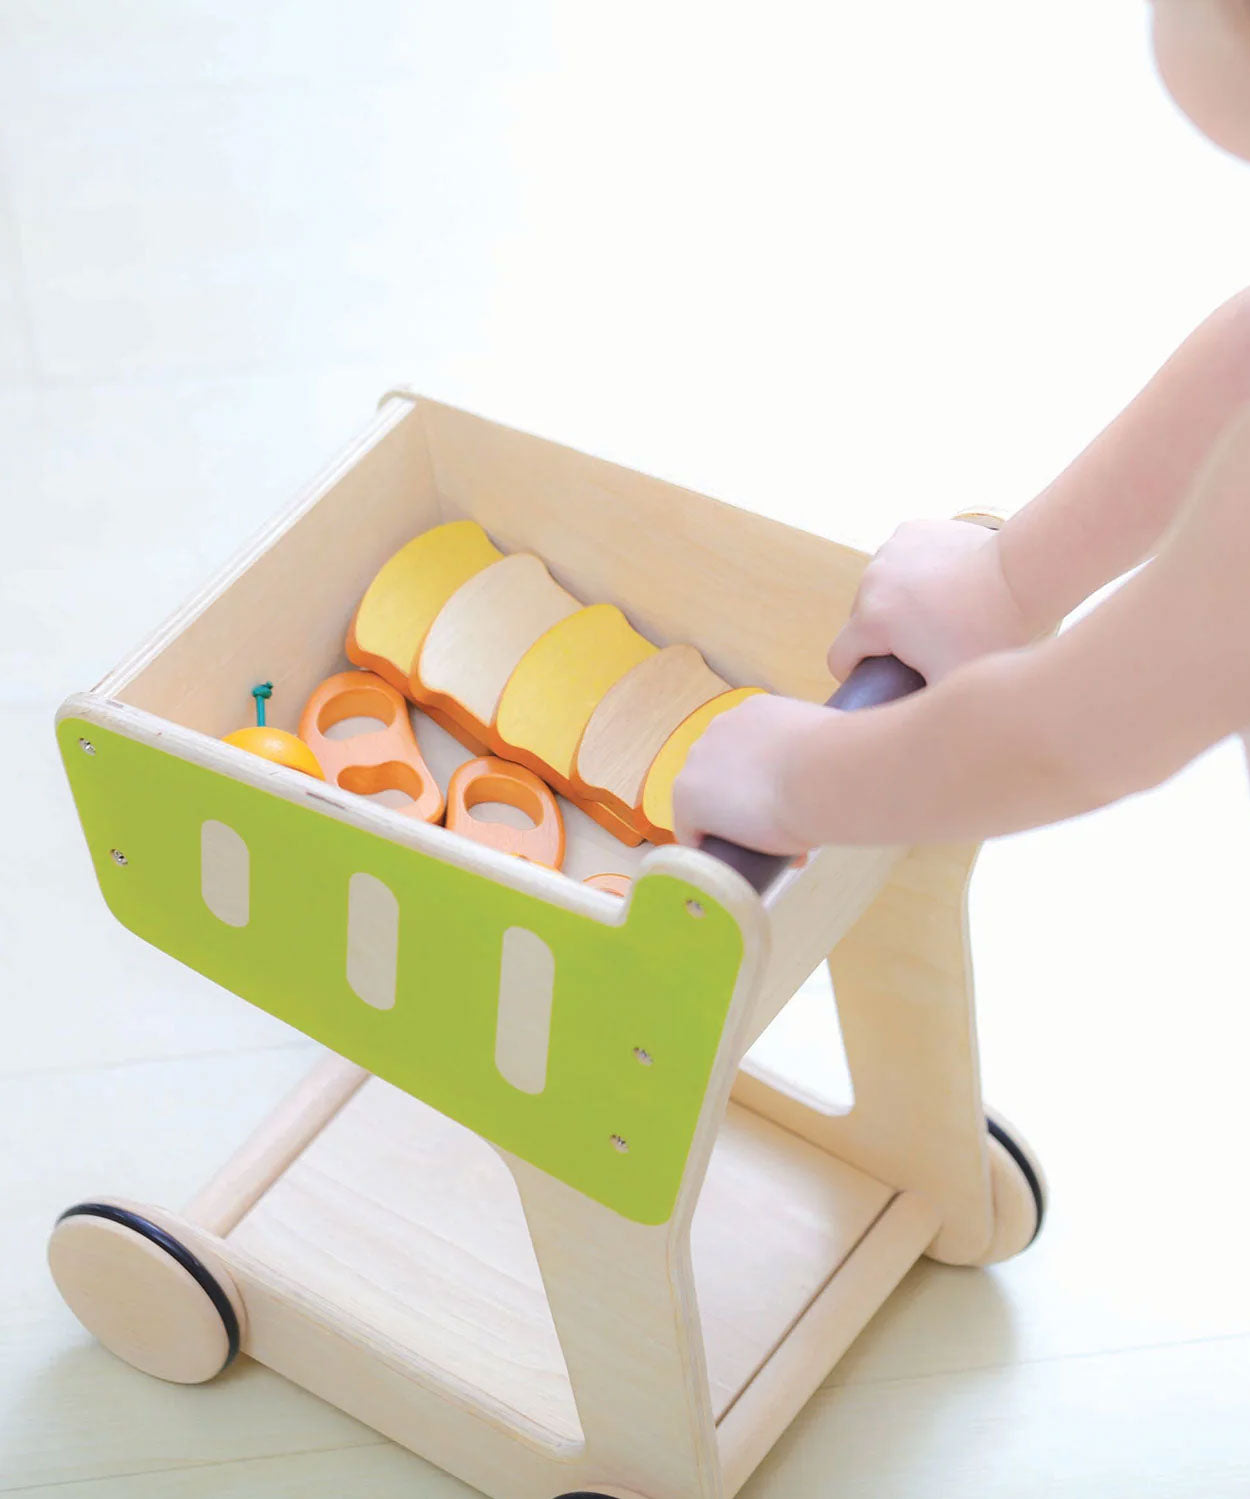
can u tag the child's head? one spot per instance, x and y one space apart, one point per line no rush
1203 48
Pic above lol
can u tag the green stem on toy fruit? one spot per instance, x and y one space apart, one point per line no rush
260 693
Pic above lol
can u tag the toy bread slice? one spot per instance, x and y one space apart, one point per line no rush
401 603
558 684
479 636
634 721
657 793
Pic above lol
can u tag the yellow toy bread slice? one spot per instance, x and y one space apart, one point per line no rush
404 599
657 793
634 721
480 634
558 684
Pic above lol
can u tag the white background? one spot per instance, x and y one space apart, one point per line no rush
842 263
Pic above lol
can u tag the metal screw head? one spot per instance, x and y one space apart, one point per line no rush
117 856
86 746
621 1144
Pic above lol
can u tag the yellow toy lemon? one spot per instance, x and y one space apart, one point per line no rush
279 746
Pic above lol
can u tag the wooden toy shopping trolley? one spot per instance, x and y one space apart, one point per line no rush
534 1215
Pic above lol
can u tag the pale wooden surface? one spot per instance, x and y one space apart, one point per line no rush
159 395
225 873
416 1225
527 970
606 532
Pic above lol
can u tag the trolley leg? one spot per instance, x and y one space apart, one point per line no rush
902 977
623 1300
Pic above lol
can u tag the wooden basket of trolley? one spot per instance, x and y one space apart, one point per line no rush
531 1215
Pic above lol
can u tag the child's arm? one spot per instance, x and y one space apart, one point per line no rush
939 593
1027 736
1114 705
1109 509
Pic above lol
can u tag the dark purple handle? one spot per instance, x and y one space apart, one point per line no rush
875 681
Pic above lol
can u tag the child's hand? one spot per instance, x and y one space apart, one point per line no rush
935 596
732 781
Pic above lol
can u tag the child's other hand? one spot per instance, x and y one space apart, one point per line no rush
935 596
731 784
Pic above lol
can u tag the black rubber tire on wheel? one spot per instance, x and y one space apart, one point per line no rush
1019 1190
144 1294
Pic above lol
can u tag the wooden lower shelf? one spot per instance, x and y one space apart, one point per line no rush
412 1224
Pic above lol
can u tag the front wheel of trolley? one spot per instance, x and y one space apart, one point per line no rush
143 1294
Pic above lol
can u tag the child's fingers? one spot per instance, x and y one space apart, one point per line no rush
685 832
686 821
855 642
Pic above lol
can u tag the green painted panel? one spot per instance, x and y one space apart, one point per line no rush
662 982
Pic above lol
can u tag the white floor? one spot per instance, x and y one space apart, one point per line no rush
840 267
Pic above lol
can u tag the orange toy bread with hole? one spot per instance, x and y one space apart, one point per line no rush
478 782
384 759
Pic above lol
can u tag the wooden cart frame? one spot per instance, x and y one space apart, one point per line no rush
586 1249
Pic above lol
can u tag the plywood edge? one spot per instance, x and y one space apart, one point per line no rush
858 1288
705 874
223 759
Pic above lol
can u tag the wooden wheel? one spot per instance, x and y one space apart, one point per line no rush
1019 1193
594 1494
144 1295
